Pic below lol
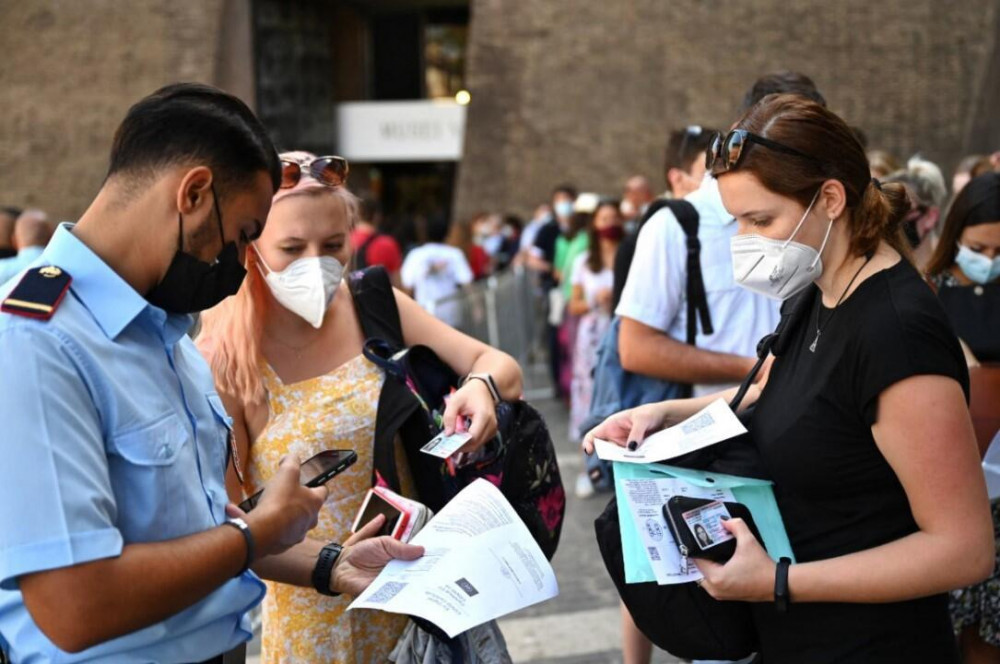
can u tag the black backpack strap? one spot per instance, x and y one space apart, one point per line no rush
697 300
361 253
626 252
793 311
375 304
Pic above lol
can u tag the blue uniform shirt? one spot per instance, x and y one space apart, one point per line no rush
113 434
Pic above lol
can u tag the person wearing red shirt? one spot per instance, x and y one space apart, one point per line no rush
372 247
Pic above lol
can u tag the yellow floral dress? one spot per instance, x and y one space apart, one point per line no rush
333 411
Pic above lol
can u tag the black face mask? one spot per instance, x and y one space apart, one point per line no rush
7 253
191 285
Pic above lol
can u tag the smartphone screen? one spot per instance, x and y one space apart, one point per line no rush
375 505
315 471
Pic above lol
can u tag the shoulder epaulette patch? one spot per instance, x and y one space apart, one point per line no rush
38 294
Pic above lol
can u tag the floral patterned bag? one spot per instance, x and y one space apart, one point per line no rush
520 460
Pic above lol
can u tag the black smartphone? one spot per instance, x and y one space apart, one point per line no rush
315 471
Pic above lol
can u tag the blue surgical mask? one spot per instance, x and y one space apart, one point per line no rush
976 266
563 209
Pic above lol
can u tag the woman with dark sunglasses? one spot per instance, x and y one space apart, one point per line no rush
861 421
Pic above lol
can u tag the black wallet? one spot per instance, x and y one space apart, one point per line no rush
695 528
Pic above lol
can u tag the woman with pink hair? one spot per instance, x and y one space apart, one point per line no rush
285 353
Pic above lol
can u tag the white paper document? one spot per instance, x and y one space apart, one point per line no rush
713 424
645 500
480 563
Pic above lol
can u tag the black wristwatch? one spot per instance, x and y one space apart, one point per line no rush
781 595
324 568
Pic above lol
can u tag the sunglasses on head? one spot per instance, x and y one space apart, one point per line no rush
724 154
331 171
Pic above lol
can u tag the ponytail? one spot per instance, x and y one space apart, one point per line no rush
879 216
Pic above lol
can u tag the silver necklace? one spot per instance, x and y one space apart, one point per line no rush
819 328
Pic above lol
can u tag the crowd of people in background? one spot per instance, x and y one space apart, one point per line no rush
610 265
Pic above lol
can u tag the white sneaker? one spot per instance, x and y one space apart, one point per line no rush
584 487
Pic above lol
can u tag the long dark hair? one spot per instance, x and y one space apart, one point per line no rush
876 212
595 260
981 189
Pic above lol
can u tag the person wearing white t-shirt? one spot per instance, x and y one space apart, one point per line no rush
435 271
653 307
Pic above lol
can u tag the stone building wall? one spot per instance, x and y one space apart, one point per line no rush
578 90
586 91
71 68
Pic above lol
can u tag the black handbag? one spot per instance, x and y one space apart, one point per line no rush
683 619
520 460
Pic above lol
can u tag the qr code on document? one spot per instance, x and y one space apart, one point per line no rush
697 424
386 592
654 553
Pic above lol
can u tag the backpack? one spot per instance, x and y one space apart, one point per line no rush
520 460
683 619
616 389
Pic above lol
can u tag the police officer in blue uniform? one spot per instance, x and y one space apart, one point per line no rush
116 541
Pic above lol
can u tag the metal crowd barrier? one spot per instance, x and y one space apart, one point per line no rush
506 311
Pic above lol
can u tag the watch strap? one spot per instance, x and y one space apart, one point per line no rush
487 380
241 525
324 569
781 594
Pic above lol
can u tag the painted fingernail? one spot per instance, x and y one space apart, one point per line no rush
632 445
724 517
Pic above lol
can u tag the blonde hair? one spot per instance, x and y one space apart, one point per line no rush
231 331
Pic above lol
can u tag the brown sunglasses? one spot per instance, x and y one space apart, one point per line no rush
329 170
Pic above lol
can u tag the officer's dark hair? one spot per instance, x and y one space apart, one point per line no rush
191 123
781 82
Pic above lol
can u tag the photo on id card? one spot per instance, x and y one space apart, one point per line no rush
705 524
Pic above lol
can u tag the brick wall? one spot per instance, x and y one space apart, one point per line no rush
587 90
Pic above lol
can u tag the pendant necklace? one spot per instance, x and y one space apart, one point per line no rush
819 309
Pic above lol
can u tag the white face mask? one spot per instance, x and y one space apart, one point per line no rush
306 287
777 268
977 267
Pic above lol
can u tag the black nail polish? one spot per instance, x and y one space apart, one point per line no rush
724 517
632 445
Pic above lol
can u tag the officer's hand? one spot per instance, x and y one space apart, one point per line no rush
286 511
364 557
